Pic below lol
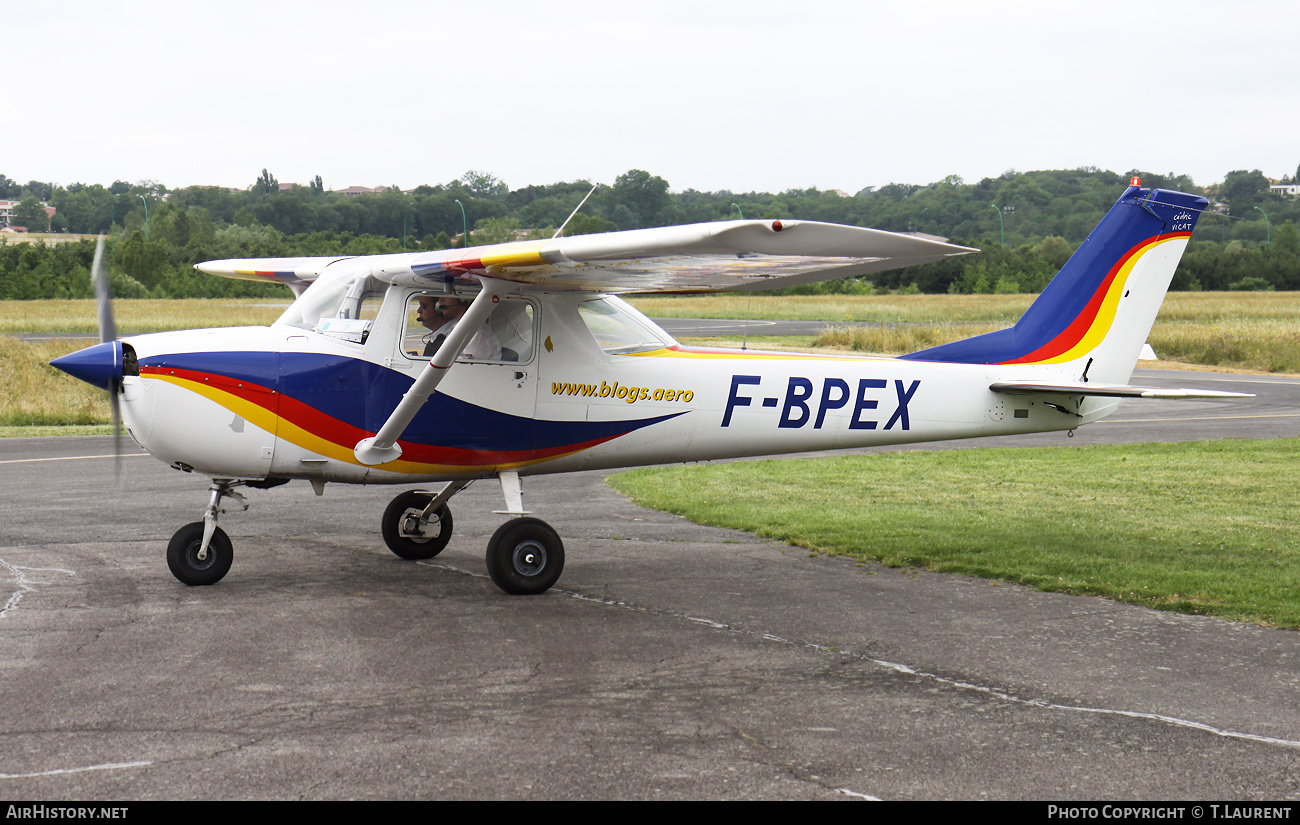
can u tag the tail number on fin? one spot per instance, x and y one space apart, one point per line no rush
836 393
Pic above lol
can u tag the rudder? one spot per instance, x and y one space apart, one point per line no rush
1095 315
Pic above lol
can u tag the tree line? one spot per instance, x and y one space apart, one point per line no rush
1026 223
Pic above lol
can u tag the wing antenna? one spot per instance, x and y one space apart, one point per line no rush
574 212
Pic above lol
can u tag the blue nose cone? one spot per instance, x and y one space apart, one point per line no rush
99 365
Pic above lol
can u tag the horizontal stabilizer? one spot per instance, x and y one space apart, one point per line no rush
1107 390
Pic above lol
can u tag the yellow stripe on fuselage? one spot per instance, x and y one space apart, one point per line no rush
285 429
759 356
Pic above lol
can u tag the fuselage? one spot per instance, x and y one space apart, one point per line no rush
586 382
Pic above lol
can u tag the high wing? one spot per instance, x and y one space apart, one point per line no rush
1106 390
292 272
707 257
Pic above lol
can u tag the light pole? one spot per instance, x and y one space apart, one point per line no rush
1268 227
464 222
404 219
918 218
146 216
995 208
742 214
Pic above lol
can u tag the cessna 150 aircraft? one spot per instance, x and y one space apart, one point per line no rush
537 367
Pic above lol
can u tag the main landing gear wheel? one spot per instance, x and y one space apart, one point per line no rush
183 555
525 556
404 533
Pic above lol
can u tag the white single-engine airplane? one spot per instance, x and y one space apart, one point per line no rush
536 367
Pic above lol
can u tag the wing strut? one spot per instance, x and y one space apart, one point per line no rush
382 447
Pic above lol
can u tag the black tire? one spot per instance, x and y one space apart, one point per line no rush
183 555
525 557
408 547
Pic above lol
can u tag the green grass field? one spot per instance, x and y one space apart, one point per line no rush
1203 527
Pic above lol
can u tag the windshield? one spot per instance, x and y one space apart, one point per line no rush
620 329
336 303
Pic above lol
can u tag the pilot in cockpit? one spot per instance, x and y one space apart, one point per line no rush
428 314
484 346
440 319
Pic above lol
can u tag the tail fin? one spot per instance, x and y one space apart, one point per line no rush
1096 313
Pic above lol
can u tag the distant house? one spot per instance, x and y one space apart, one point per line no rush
1288 189
7 214
366 190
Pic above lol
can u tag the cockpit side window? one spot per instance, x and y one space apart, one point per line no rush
507 337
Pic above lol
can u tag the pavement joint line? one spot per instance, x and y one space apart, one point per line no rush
910 671
59 771
859 795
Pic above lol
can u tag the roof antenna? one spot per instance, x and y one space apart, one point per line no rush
574 212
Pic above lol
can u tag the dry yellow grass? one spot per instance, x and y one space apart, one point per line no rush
1228 306
1191 306
896 339
1231 330
134 317
1270 344
32 393
839 308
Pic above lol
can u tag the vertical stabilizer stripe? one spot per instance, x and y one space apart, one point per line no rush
1094 322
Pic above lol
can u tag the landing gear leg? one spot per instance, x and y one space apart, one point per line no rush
200 552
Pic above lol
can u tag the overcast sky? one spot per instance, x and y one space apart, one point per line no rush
746 96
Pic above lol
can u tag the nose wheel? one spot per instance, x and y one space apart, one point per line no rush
525 556
200 552
194 564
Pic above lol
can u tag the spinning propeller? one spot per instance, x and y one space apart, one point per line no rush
101 365
108 332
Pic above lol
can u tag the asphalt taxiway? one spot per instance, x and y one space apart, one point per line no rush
671 661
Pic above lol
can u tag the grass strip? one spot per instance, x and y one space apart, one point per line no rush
134 317
34 394
1230 330
1198 527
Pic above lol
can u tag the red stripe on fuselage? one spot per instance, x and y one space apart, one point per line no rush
347 436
